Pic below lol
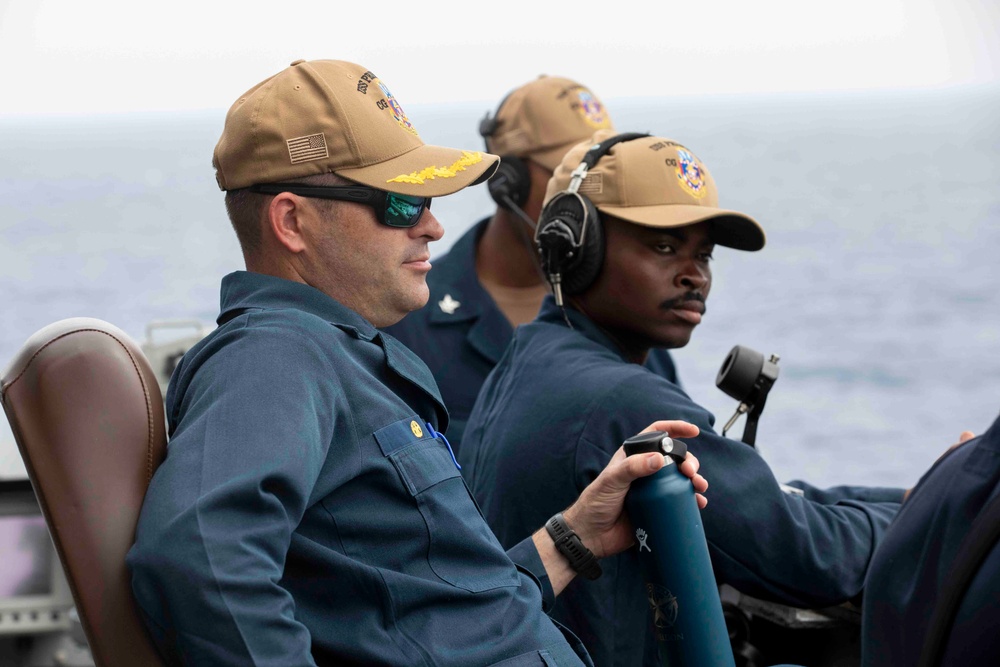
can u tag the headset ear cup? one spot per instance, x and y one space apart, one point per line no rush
560 227
510 183
591 256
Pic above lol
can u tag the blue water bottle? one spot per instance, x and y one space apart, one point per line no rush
673 555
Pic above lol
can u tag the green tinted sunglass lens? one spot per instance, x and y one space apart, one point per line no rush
403 210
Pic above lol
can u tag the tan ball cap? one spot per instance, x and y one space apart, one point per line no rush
324 116
656 182
545 118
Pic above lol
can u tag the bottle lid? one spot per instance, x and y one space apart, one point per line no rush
656 441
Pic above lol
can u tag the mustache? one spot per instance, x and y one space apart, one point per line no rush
677 301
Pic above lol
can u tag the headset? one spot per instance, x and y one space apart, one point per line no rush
569 235
510 185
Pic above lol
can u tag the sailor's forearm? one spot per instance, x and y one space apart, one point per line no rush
556 566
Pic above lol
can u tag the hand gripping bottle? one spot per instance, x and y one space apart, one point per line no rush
673 555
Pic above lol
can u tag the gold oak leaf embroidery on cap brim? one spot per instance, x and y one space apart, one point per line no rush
430 173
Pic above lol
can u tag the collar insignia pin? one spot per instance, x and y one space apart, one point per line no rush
448 304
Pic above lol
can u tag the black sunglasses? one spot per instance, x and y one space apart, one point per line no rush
391 208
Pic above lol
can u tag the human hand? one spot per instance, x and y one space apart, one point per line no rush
598 517
963 437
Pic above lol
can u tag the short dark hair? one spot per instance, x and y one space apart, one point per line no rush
246 209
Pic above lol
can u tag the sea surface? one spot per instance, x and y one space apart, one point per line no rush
879 287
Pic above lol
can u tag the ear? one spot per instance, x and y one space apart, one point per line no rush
286 221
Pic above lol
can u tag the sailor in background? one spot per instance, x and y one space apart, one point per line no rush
490 280
571 387
309 509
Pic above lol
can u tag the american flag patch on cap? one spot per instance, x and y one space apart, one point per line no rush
593 184
304 149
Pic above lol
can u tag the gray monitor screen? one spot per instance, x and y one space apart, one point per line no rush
26 554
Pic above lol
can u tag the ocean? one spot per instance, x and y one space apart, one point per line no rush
879 286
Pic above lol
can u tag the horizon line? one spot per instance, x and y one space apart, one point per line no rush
758 96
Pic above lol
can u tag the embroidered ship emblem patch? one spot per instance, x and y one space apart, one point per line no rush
397 110
690 174
592 110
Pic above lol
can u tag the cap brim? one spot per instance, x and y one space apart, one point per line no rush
729 228
426 171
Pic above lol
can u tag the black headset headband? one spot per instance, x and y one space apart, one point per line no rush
596 152
489 124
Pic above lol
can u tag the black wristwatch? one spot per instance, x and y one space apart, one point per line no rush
568 543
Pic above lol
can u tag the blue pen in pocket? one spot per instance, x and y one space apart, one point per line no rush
438 434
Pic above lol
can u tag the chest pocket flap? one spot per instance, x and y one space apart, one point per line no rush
462 550
421 459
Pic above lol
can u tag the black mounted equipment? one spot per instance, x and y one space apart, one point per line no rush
747 377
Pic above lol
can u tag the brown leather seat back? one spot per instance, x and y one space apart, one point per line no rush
87 415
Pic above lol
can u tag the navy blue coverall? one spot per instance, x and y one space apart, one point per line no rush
308 512
912 564
549 418
461 333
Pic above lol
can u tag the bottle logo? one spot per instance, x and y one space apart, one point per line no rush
665 611
641 535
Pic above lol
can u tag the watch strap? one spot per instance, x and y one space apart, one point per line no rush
568 543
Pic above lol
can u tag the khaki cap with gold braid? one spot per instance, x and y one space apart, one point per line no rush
324 116
546 117
655 182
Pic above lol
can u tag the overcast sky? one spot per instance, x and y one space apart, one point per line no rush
100 56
